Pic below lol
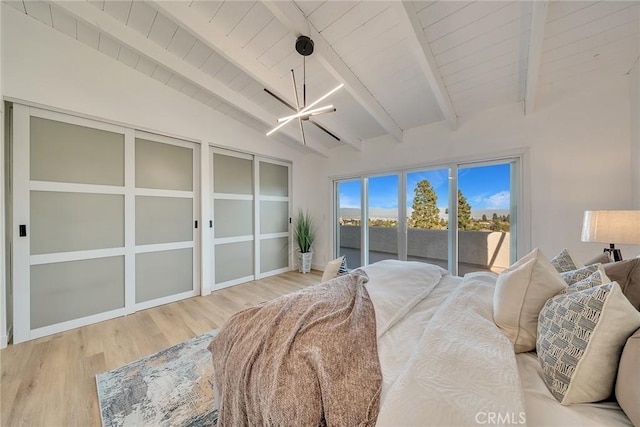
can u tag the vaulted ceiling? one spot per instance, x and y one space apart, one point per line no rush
403 64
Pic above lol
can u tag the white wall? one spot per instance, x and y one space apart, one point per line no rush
634 107
578 150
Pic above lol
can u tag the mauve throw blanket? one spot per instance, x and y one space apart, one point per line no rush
305 359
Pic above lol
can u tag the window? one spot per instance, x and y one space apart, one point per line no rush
409 215
349 217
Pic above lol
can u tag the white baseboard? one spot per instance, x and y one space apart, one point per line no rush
320 267
4 339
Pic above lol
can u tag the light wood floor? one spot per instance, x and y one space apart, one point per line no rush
51 381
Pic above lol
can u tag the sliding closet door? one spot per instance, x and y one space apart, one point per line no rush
165 225
69 222
250 217
272 210
233 217
103 221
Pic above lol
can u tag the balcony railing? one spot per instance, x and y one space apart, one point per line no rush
477 250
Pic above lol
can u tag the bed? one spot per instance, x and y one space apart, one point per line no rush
443 361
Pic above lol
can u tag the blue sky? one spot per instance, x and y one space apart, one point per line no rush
485 187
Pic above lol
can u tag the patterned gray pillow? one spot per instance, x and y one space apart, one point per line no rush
343 266
579 274
580 339
564 262
596 278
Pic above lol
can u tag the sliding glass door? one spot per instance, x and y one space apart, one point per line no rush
382 217
460 216
348 230
428 216
484 217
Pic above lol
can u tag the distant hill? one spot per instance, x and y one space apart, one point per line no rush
354 213
477 213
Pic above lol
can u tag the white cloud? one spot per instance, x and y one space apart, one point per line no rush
499 200
347 201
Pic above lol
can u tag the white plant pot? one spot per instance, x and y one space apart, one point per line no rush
304 262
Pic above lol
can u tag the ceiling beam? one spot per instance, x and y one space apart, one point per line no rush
126 36
418 42
294 20
536 40
191 21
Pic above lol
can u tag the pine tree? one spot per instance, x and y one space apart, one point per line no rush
484 217
425 207
464 212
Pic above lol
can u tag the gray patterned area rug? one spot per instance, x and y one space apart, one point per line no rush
170 388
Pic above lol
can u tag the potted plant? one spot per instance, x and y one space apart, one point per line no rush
304 233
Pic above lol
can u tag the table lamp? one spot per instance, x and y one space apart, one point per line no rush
622 227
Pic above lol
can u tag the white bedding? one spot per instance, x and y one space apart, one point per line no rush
543 409
445 363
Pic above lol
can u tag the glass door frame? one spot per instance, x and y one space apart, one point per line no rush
519 207
364 213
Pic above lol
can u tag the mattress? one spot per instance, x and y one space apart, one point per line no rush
465 380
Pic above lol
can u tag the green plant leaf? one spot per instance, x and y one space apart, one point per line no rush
304 231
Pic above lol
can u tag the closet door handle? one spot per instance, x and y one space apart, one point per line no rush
22 230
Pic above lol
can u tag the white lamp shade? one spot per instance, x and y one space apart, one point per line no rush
617 227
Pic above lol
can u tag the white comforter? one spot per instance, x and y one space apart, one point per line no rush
443 360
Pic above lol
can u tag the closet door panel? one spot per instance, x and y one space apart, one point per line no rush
233 218
274 254
274 249
165 215
163 166
232 175
274 179
233 261
64 152
163 220
274 217
66 291
162 274
65 222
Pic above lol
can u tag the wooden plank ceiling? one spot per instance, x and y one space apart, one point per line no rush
404 64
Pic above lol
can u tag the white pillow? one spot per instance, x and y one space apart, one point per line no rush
521 292
331 270
580 339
